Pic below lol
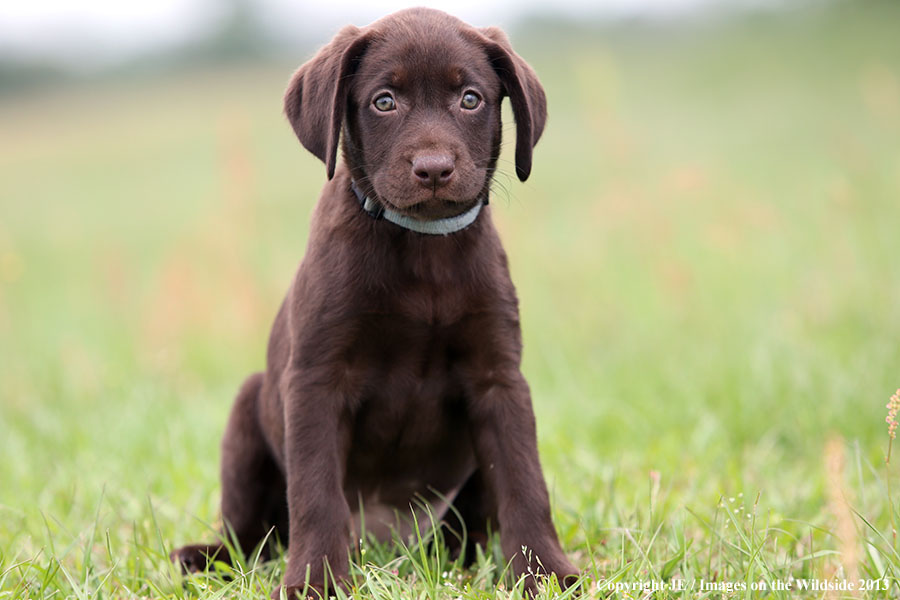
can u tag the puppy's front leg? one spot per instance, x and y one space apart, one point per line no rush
506 445
319 533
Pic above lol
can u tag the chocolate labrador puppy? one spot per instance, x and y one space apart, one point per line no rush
392 380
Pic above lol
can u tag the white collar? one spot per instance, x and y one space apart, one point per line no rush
434 227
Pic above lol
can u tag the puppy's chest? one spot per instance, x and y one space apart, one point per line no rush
409 401
392 355
425 304
411 347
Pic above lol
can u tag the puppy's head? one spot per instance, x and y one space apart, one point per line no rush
417 95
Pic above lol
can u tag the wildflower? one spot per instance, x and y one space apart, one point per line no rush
893 406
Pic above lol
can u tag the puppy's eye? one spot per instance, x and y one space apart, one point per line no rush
385 103
470 101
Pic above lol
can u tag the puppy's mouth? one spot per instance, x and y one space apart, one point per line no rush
432 209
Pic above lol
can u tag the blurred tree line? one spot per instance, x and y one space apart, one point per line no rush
239 35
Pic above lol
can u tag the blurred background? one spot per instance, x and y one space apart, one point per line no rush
706 253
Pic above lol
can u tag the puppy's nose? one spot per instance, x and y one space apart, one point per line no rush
433 170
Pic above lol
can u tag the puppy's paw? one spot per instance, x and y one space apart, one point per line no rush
568 579
299 592
196 557
533 584
566 575
312 591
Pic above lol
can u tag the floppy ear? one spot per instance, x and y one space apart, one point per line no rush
525 93
317 94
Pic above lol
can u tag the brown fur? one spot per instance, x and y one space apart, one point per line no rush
392 373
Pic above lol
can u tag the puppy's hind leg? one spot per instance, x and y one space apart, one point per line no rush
253 489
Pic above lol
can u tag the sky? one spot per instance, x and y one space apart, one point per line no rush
92 29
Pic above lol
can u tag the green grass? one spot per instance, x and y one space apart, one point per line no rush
707 259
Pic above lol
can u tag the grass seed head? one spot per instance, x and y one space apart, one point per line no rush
893 405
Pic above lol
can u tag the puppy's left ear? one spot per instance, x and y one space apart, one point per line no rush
525 93
316 97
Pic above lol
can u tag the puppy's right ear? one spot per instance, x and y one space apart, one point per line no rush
317 94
